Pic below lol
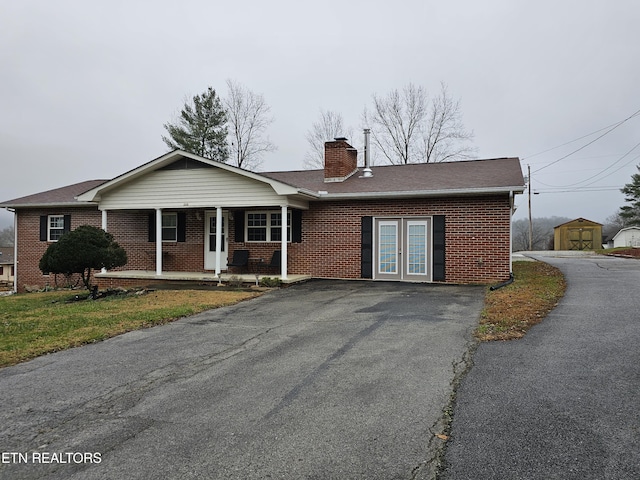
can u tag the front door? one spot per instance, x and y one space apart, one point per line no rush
210 241
403 249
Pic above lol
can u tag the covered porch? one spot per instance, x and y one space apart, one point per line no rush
187 217
150 276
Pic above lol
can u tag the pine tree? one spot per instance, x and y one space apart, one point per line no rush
631 213
201 128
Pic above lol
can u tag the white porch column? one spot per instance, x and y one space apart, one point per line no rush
218 239
104 227
283 244
158 241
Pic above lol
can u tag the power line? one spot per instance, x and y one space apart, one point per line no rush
601 171
611 128
567 143
579 190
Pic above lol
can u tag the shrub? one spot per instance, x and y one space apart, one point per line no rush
82 250
270 282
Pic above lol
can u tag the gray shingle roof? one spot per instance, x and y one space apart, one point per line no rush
6 255
501 174
56 197
441 179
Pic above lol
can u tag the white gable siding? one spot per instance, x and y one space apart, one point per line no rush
201 187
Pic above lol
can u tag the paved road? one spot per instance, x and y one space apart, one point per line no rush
564 402
321 380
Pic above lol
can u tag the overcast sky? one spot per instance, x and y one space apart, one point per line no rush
86 86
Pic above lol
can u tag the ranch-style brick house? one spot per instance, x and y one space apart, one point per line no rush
184 217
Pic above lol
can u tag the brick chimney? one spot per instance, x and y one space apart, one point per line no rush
340 160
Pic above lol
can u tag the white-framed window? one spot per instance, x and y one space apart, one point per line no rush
169 227
266 226
55 227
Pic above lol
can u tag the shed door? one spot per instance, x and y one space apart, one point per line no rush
580 239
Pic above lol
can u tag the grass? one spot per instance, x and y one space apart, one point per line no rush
39 323
510 311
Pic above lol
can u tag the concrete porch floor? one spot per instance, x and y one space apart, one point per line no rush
197 276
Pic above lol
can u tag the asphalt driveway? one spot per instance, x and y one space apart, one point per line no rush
320 380
564 401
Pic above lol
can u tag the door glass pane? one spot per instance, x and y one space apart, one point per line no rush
212 234
388 249
417 246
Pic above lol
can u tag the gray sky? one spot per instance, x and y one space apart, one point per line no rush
86 86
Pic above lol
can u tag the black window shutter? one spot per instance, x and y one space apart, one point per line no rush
238 222
152 227
182 226
438 248
67 224
366 248
296 226
44 219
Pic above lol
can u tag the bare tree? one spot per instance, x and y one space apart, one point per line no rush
408 127
395 123
444 136
6 237
329 126
542 234
612 225
248 117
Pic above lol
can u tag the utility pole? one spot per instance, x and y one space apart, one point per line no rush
530 221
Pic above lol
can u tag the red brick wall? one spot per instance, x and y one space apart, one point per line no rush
477 238
130 229
31 249
340 159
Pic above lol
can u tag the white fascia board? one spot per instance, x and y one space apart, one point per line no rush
423 193
49 205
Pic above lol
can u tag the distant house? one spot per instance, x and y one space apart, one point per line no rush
7 266
627 237
578 234
181 216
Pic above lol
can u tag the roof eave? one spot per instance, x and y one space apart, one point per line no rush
48 205
424 193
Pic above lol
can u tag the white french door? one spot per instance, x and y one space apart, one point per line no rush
403 249
210 240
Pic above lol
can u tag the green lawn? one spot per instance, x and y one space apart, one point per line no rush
38 323
510 311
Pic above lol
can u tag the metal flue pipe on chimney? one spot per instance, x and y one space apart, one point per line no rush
366 173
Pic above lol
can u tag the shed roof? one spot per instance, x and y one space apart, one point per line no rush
6 255
578 220
622 231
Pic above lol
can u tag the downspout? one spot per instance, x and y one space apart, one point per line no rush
511 202
15 249
511 278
